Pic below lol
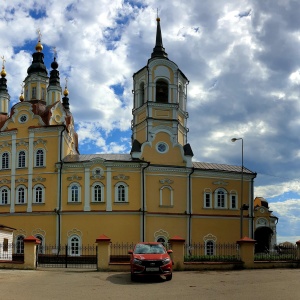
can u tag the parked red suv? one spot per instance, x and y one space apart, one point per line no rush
150 258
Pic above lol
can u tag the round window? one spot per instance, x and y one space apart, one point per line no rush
162 147
23 119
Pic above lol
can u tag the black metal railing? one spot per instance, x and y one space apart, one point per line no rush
211 252
65 256
277 253
119 252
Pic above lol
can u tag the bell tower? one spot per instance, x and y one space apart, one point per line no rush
159 104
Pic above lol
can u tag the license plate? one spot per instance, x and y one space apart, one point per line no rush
152 269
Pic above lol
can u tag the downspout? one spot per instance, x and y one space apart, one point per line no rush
58 211
190 207
143 200
147 116
251 209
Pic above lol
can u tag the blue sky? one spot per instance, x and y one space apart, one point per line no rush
242 59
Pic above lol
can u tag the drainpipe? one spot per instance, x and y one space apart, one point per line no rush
190 206
143 200
58 211
148 88
252 209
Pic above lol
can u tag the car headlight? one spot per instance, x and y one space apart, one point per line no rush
137 261
166 261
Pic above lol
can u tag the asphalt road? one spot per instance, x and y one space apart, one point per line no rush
86 284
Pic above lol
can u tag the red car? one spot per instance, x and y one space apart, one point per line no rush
150 258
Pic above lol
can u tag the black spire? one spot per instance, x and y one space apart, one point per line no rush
159 50
54 74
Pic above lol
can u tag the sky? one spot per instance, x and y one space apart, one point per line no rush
242 59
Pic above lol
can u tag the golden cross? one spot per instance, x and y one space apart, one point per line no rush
3 61
39 34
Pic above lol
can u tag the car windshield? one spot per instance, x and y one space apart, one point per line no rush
149 249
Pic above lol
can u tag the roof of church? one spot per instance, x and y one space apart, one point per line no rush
128 158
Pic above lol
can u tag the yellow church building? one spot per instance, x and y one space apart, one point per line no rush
157 191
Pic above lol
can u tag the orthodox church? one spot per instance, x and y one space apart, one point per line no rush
49 190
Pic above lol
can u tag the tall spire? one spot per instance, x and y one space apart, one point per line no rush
159 50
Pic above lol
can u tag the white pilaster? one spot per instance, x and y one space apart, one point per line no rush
87 206
108 190
13 173
30 171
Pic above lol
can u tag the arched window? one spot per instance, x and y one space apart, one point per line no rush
74 193
166 196
162 91
22 159
20 244
41 246
141 94
39 158
4 196
5 160
21 195
74 245
209 247
39 194
220 198
121 192
97 192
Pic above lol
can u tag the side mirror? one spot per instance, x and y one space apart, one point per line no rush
169 251
130 251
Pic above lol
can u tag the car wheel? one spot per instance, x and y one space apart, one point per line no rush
169 277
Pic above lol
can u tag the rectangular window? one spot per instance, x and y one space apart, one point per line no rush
5 245
233 201
33 92
43 96
207 200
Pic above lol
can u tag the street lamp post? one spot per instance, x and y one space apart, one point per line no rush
243 206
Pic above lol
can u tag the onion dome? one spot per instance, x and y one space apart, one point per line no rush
39 47
159 50
3 72
37 65
21 98
66 92
54 74
65 99
3 80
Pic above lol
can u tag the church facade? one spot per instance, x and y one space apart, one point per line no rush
157 191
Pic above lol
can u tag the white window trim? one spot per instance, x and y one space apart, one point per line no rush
102 192
8 195
34 194
207 192
17 244
44 158
117 194
70 192
18 166
161 196
8 167
79 245
214 247
25 194
225 198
